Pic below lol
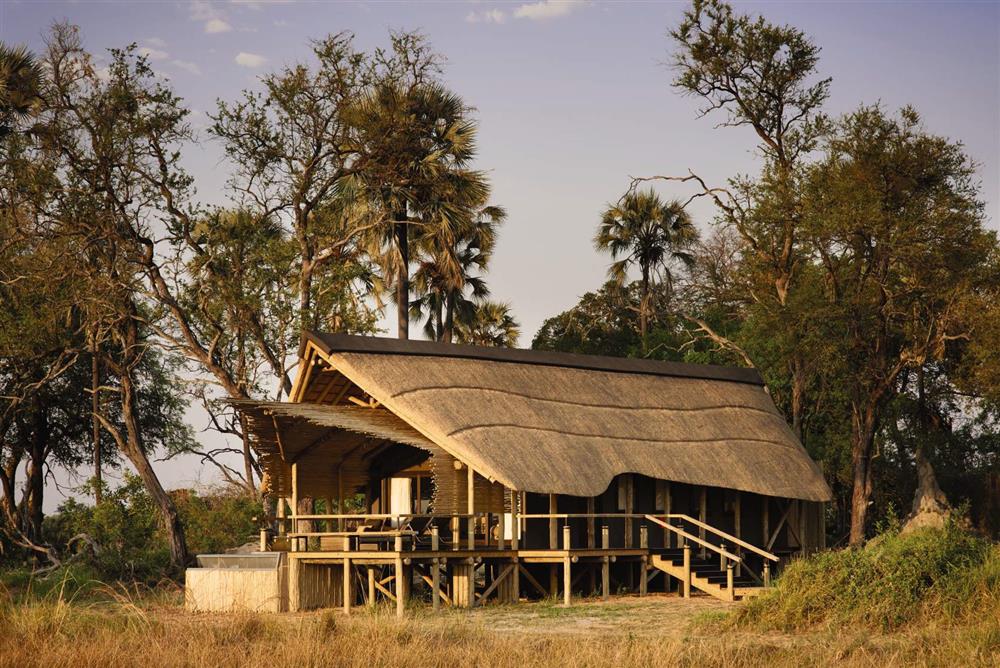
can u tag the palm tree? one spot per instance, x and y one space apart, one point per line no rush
444 281
21 81
415 143
645 232
490 324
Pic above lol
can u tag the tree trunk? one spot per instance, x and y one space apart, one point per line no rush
403 279
137 455
644 307
36 471
95 382
862 441
449 318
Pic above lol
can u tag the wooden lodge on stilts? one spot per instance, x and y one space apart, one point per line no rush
462 475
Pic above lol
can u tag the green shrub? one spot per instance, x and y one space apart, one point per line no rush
126 527
890 582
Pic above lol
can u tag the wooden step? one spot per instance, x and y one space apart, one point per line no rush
711 581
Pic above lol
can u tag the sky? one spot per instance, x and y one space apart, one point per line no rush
572 99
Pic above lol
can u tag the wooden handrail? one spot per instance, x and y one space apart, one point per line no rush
722 534
384 516
694 539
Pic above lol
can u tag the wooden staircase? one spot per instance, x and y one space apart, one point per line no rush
718 572
706 576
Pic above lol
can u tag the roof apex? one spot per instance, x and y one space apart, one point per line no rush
334 343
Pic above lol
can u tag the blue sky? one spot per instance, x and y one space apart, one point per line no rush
572 97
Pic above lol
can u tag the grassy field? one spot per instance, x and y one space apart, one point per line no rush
115 628
925 599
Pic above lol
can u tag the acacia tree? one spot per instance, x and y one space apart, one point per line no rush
894 218
761 76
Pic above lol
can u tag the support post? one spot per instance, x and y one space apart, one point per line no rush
371 586
687 570
515 516
766 520
263 540
605 564
767 573
553 523
644 536
516 581
294 577
802 527
643 572
401 584
567 574
501 529
435 584
702 515
294 543
628 479
455 530
738 525
591 538
668 536
472 509
347 586
729 581
435 569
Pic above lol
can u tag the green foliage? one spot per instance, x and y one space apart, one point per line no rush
127 529
897 579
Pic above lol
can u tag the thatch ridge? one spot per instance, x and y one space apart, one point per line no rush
348 343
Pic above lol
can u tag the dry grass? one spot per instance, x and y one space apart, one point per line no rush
118 629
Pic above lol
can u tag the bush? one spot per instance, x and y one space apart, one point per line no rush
891 582
132 544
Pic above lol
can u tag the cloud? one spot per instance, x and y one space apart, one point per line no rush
486 16
214 26
156 42
187 66
249 59
547 9
207 13
153 54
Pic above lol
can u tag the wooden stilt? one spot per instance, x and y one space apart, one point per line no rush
643 574
348 596
435 585
402 586
553 580
605 578
472 508
702 515
605 564
738 525
567 568
371 586
553 523
294 543
591 537
294 585
515 583
627 479
687 570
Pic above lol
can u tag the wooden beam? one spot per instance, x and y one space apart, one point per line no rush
503 575
777 529
277 438
531 579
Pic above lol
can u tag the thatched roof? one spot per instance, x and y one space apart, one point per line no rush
567 424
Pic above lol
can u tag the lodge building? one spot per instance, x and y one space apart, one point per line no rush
462 475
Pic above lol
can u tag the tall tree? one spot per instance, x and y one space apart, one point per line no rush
418 139
894 218
645 232
449 278
761 76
